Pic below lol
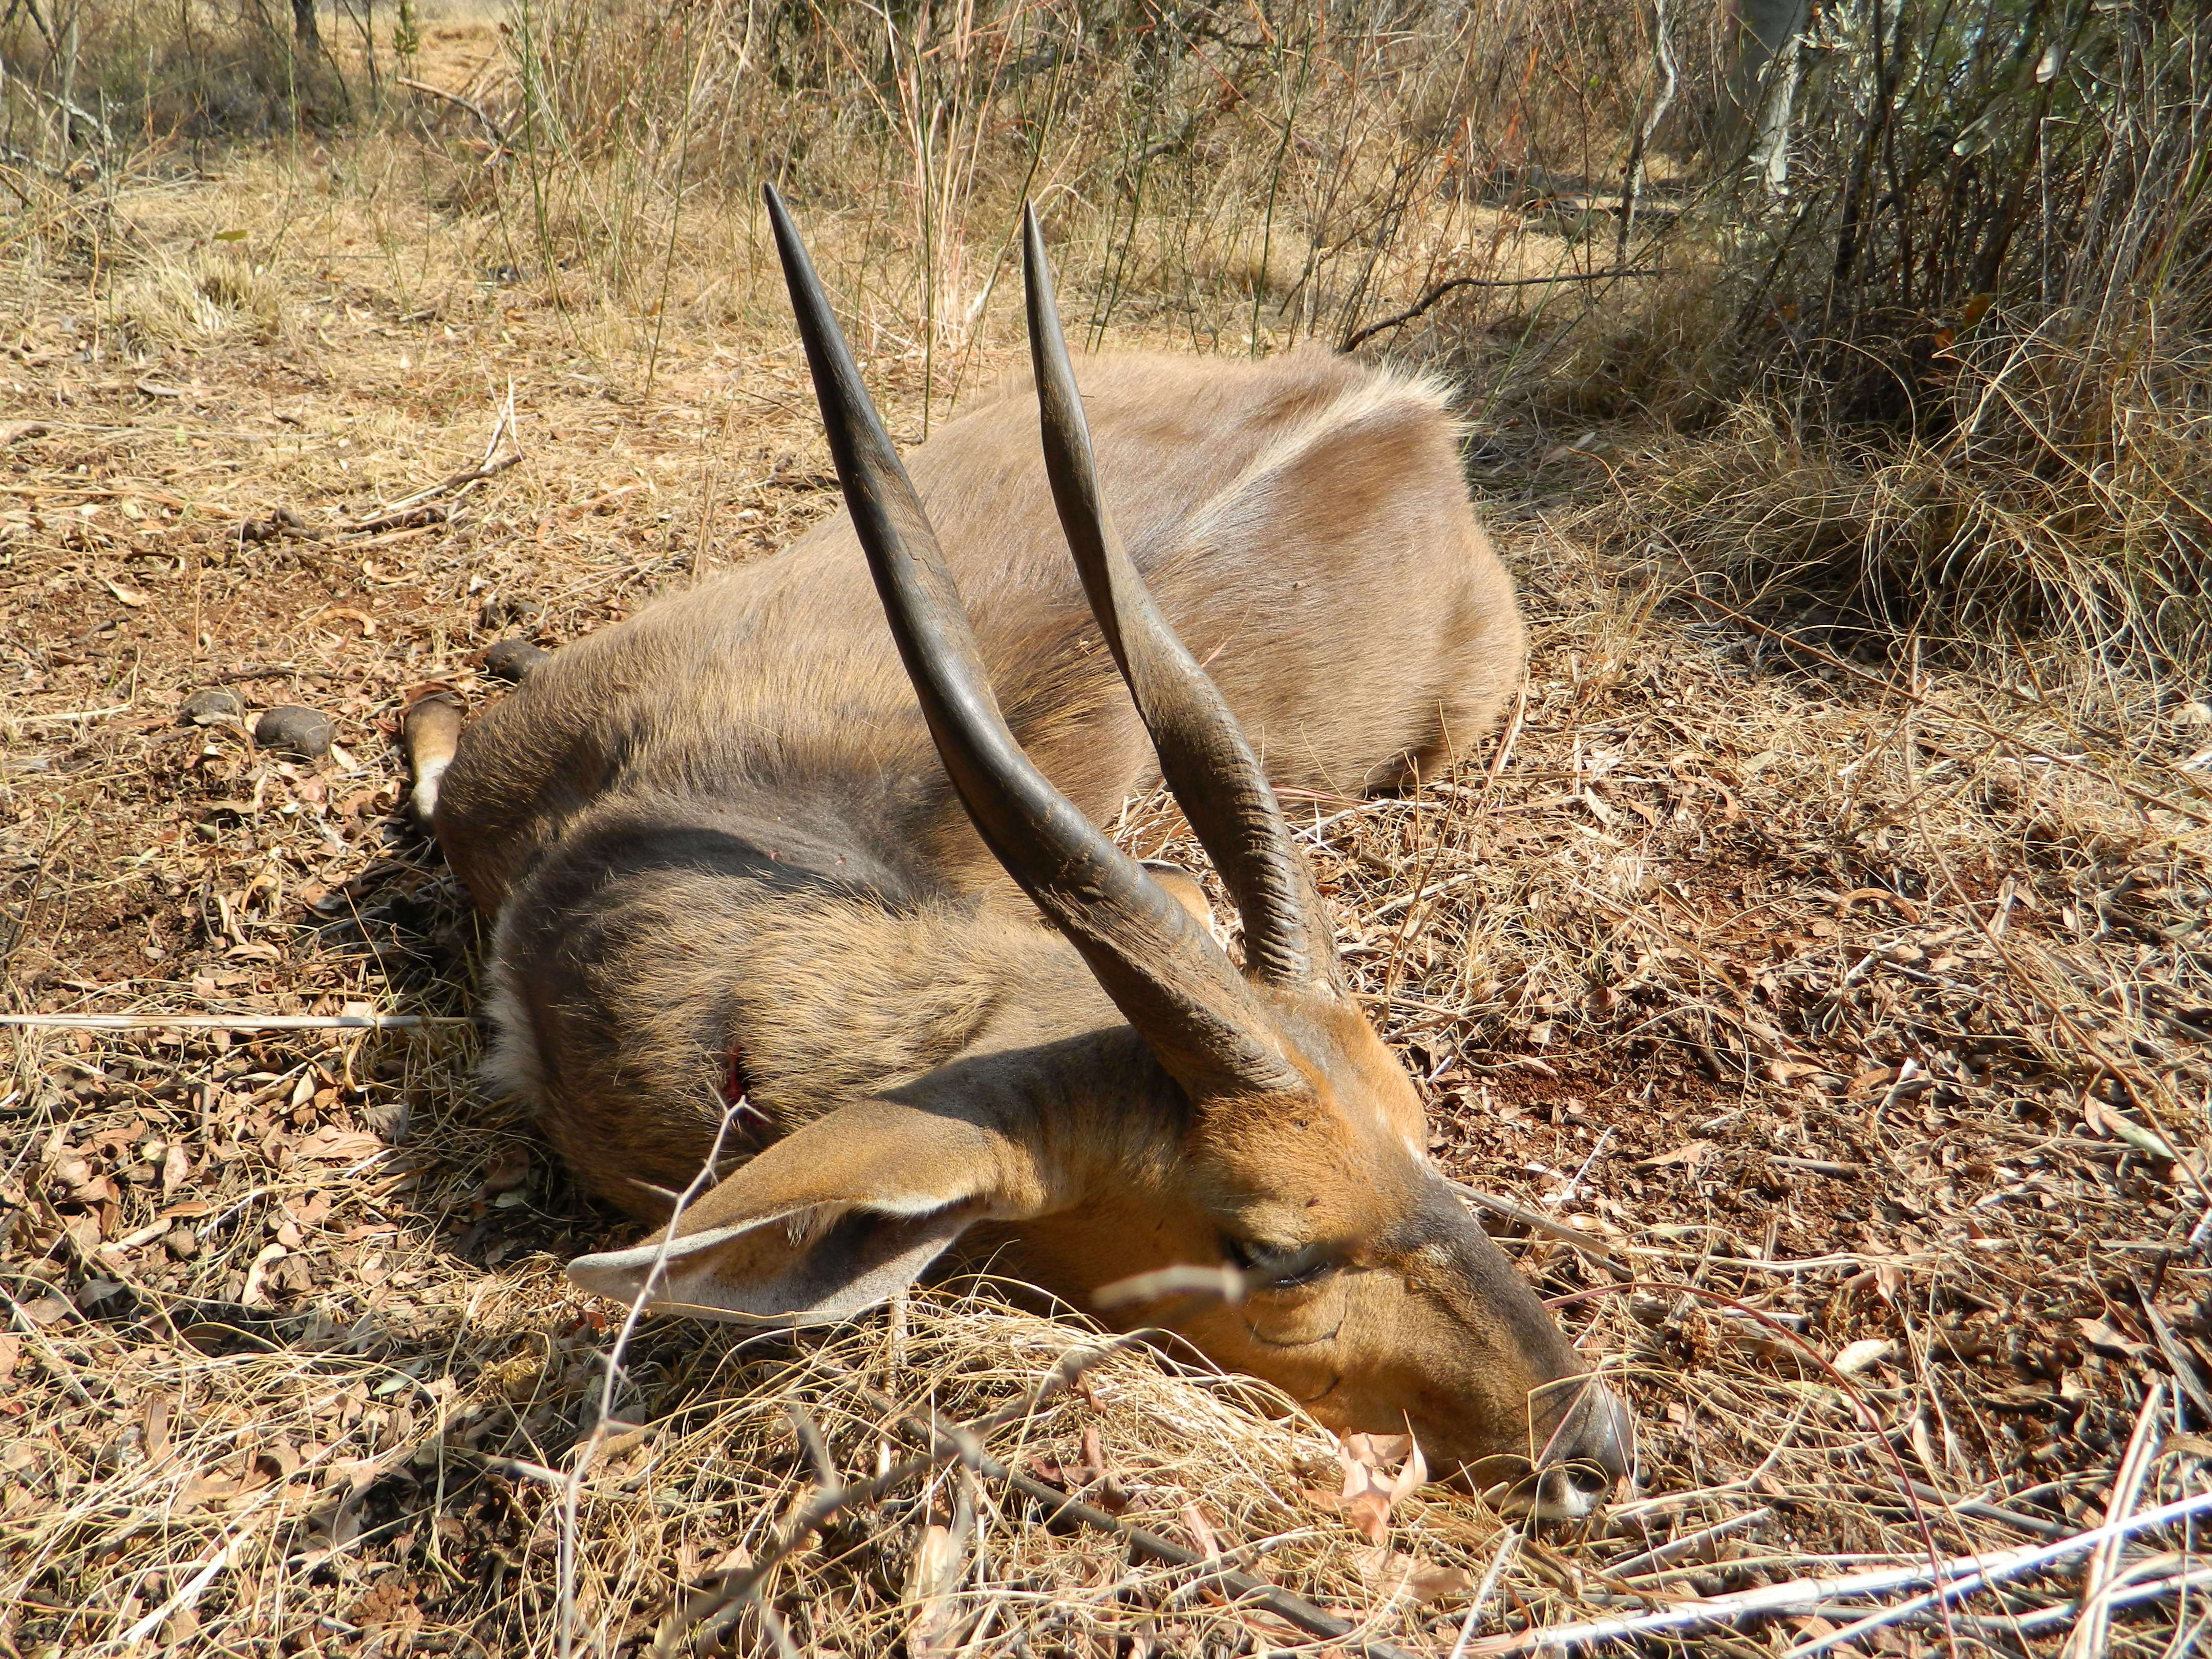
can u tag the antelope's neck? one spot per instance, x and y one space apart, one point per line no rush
655 969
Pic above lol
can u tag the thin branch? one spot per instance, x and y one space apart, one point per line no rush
1674 1550
492 129
1981 1509
1354 341
573 1487
1960 1576
403 512
401 515
1539 1222
79 112
961 1444
716 1597
1631 183
2094 1631
68 716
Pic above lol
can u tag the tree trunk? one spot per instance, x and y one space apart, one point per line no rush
1755 116
304 28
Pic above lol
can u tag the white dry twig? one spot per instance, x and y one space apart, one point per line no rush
2090 1635
573 1485
1959 1575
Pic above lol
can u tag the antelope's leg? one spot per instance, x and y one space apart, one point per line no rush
430 729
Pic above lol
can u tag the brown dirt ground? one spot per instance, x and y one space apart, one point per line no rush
1805 995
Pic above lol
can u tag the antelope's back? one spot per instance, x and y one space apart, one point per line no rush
1302 522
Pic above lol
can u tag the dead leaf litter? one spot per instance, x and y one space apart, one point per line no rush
1861 1015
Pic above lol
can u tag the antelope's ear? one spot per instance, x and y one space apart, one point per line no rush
828 1221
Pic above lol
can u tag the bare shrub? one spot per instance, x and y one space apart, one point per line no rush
1975 328
114 77
1243 179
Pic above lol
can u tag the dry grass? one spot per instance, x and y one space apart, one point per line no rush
1957 386
1950 382
2069 499
1848 1006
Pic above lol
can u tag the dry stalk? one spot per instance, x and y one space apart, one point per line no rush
2094 1633
1958 1577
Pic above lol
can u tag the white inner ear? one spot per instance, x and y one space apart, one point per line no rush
820 1263
622 1273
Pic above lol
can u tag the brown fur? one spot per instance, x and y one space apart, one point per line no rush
724 856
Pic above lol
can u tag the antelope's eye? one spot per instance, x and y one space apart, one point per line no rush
1274 1268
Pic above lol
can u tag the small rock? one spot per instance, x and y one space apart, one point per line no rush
213 706
281 521
513 660
293 730
498 611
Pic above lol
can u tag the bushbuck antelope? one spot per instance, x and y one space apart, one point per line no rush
751 911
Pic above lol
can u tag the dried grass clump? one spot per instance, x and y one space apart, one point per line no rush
105 77
1233 180
2000 531
1972 335
196 300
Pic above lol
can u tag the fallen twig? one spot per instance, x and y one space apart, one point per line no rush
76 112
1665 1554
572 1487
1960 1576
403 514
2187 1375
1537 1222
251 1517
711 1600
422 517
963 1444
2090 1635
282 521
2065 1613
397 515
1980 1508
224 1555
69 716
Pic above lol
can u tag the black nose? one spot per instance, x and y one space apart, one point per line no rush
1586 1441
1606 1440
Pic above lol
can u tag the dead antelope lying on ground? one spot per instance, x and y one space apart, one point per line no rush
750 910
